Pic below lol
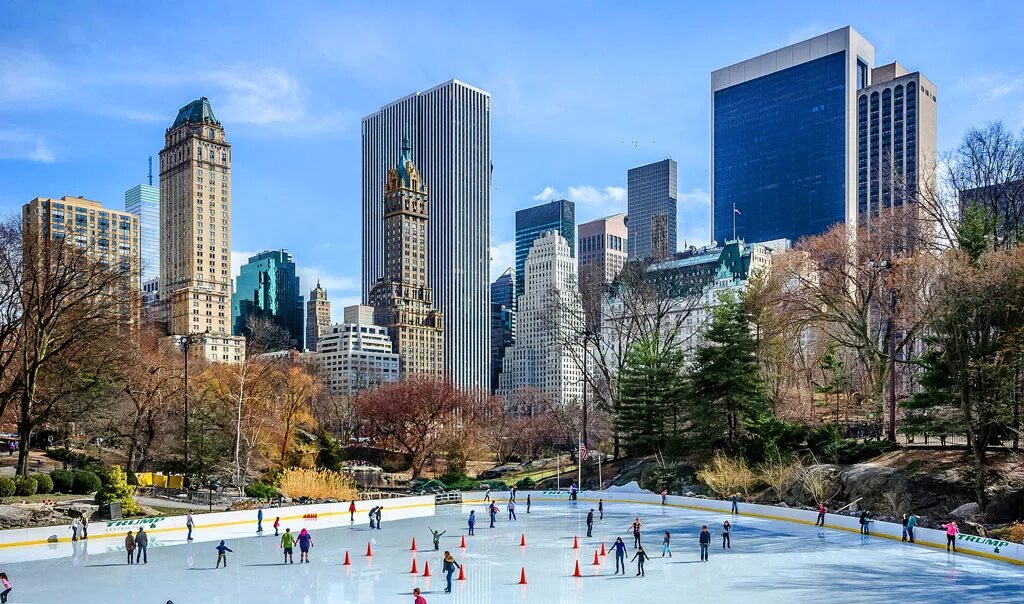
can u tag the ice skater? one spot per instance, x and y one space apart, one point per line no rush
437 538
705 542
287 542
305 541
904 520
259 520
6 583
76 525
494 513
666 547
734 499
600 508
512 510
373 516
620 555
528 503
590 523
726 535
277 526
141 543
821 514
512 493
222 554
189 524
573 491
472 521
487 494
639 557
352 511
664 496
952 530
129 546
636 526
911 523
419 598
865 522
449 565
379 510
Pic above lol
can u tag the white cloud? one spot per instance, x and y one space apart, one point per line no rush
503 255
609 198
26 77
696 196
334 284
258 96
23 145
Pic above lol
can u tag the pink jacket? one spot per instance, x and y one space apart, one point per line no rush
951 529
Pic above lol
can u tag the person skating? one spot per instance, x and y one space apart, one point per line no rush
189 524
512 493
573 491
905 520
7 587
590 523
76 525
734 499
287 542
952 530
821 514
600 508
448 566
419 598
636 526
864 520
222 555
705 542
512 510
259 520
373 516
487 494
726 535
528 503
664 496
129 546
639 557
472 521
911 523
141 543
277 526
620 555
352 511
666 547
494 513
437 538
305 541
379 510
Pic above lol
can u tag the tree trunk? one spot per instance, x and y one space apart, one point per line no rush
23 451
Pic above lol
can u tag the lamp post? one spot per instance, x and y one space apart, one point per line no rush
186 342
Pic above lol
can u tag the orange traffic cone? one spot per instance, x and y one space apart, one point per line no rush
522 540
463 544
575 543
414 569
522 576
413 548
576 573
426 569
603 553
347 561
462 572
597 561
369 552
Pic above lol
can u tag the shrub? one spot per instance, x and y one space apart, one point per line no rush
776 472
62 481
526 484
44 484
7 487
85 482
261 490
726 475
1016 532
133 479
316 484
25 486
458 481
117 489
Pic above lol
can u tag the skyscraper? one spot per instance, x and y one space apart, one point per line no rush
541 359
652 206
559 215
318 315
503 321
603 246
449 127
784 139
195 233
144 202
356 354
268 287
402 300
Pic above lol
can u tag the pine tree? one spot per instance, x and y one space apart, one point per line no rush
650 398
726 386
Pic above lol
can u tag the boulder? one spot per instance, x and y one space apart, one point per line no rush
499 471
967 511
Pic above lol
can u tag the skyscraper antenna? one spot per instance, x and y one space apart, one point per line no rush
151 170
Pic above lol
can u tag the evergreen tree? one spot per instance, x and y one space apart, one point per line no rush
649 417
726 385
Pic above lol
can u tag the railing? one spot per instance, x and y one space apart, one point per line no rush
448 498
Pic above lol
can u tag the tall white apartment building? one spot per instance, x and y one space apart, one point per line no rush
356 354
548 311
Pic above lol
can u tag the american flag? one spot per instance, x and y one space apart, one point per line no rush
584 454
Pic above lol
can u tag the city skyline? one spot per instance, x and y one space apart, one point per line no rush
285 110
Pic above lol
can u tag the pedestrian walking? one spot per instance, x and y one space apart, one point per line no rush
7 587
141 543
379 510
222 554
734 499
590 523
373 516
512 510
952 530
911 523
352 511
528 503
705 542
419 598
905 520
666 547
636 526
129 547
277 526
600 508
287 543
76 525
664 496
259 520
437 538
620 555
189 524
472 521
821 514
865 529
305 541
726 535
639 557
448 566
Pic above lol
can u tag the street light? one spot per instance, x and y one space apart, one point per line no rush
186 342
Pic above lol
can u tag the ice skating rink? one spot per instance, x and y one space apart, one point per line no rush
770 561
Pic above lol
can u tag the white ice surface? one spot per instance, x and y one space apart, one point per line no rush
770 562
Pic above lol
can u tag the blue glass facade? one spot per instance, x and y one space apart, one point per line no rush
652 207
144 202
268 287
559 215
780 153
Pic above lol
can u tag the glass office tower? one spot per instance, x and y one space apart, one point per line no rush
268 287
652 201
144 202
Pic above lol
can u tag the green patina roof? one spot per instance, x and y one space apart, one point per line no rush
403 174
196 112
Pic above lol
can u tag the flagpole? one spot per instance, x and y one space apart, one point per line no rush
579 466
734 221
600 483
558 470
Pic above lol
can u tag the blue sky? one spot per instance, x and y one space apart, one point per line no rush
581 91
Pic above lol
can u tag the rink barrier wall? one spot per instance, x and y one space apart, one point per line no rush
984 547
55 541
